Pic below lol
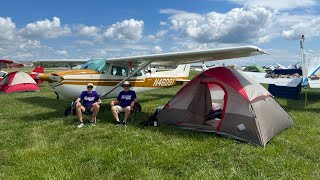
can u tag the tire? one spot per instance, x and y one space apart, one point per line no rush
67 112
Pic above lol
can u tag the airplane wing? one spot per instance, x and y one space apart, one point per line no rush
172 58
190 56
69 62
280 81
4 63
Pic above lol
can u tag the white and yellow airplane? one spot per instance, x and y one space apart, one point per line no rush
108 74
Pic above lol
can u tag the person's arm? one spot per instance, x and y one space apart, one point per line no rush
134 100
78 100
114 102
98 101
117 101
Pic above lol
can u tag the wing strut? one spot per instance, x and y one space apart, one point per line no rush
135 72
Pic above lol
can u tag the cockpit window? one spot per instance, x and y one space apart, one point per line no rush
139 73
119 71
99 65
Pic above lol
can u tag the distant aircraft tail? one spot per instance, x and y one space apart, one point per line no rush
182 70
303 63
180 73
37 71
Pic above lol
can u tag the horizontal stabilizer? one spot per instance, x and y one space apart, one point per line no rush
182 80
314 83
261 78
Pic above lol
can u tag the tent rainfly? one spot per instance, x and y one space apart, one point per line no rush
247 110
17 81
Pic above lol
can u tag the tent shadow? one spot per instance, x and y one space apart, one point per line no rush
171 130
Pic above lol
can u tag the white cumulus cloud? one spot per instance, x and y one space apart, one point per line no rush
88 30
45 29
130 30
62 52
7 29
156 49
279 4
237 25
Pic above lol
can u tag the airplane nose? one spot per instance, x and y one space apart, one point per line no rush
44 77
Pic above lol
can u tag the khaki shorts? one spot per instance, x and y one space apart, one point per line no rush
120 109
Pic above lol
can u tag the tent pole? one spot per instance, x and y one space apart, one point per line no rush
306 98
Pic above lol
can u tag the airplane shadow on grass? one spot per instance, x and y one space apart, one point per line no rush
41 103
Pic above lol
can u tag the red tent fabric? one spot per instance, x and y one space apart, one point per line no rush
38 71
18 81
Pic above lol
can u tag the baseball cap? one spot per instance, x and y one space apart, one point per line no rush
89 84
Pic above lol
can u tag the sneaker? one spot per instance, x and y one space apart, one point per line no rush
80 125
124 123
92 123
117 123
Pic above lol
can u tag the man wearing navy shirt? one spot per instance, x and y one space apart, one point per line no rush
90 103
124 103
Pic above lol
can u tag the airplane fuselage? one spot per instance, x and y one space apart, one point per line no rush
70 84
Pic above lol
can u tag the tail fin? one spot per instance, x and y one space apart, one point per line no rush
37 71
182 70
303 63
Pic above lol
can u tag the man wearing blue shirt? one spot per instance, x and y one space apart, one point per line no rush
124 103
90 103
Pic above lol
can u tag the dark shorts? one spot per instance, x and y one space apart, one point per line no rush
87 109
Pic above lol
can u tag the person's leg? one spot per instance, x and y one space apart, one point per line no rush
79 109
95 109
127 111
115 110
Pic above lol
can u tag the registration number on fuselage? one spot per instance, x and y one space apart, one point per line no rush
163 82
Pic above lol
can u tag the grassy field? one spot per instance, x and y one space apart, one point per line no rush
39 142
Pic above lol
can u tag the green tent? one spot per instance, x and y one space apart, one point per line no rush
254 68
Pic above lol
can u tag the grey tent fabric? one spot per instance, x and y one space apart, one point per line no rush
249 112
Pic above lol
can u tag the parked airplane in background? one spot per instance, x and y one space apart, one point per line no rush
5 63
309 77
39 70
203 68
108 74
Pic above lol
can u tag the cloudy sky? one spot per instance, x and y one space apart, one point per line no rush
39 29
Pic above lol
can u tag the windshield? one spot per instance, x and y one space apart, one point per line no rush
99 65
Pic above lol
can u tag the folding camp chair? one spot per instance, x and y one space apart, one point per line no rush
136 108
72 110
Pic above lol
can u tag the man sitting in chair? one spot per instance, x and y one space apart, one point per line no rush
124 103
90 103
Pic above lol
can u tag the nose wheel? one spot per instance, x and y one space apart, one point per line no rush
58 97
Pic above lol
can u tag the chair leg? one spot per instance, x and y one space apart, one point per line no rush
133 116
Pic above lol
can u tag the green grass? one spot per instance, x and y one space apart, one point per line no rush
39 142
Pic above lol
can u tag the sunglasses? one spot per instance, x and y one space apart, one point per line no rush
125 86
89 87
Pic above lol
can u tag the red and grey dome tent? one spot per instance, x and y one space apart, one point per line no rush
249 112
17 81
